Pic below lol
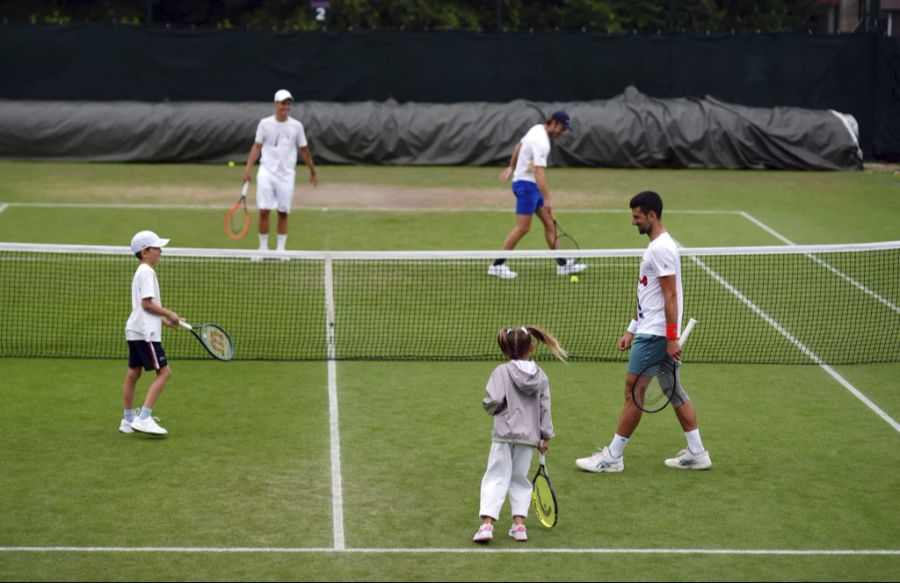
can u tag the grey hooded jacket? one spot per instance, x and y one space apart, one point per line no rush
519 400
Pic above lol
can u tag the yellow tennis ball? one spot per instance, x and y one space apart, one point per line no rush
574 279
231 163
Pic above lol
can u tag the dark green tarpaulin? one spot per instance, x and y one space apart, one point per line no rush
630 131
856 74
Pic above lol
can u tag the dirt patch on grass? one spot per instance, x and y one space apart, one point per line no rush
340 196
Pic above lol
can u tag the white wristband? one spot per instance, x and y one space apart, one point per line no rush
632 327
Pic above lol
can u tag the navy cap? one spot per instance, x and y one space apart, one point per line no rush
563 118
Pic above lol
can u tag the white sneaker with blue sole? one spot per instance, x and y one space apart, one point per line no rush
601 461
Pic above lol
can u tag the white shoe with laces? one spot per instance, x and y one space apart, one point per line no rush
148 425
485 534
125 426
601 461
685 460
502 271
519 533
570 268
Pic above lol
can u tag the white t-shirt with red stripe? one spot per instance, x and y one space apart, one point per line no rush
660 259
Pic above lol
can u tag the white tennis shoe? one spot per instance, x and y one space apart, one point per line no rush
570 268
685 460
518 533
148 425
485 534
502 271
125 427
601 461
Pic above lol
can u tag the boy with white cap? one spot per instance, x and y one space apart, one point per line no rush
278 139
143 332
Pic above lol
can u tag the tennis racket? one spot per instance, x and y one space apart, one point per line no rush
654 388
233 226
564 240
543 496
214 339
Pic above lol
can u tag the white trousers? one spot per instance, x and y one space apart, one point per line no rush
507 473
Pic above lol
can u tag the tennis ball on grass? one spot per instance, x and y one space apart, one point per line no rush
574 279
231 163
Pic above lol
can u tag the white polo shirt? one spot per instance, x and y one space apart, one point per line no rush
535 151
280 141
142 325
660 259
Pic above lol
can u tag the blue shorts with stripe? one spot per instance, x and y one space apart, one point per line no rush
528 197
149 355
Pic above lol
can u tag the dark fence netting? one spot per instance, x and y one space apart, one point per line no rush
851 73
629 131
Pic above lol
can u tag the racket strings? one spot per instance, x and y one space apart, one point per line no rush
544 501
217 342
655 387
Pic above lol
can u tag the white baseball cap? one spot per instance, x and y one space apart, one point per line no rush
146 239
283 95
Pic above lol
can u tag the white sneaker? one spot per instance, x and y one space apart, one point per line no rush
601 461
518 533
485 534
502 271
685 460
148 425
570 267
125 427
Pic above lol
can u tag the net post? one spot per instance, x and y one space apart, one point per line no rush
328 275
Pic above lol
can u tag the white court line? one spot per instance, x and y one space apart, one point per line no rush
823 263
459 551
781 330
3 207
337 489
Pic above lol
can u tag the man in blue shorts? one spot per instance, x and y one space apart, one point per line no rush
653 335
527 167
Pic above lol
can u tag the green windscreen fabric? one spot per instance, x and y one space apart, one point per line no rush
854 74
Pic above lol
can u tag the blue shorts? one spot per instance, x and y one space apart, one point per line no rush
149 355
648 349
528 197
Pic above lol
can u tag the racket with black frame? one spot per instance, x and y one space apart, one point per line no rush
214 339
237 220
655 386
563 240
543 496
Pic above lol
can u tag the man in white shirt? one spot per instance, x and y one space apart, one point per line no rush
527 167
278 139
653 336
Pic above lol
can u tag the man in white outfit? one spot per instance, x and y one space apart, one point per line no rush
278 139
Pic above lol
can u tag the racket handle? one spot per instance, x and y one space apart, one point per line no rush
184 324
542 460
687 331
245 188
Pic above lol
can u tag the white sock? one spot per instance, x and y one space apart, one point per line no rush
695 446
282 239
263 241
617 445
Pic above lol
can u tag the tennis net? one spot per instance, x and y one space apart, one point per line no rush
811 304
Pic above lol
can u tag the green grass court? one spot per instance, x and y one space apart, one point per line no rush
246 486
